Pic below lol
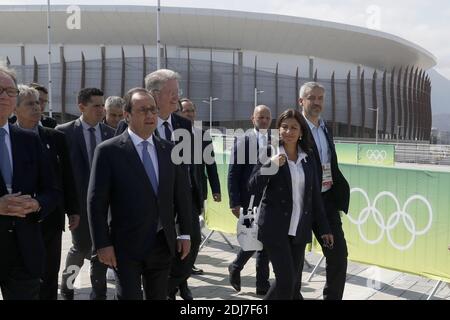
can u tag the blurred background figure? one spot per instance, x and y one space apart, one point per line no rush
113 111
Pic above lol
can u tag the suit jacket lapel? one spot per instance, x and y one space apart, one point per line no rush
3 189
287 176
330 145
103 133
79 137
307 173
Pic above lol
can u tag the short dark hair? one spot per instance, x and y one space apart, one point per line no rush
84 96
306 142
186 100
129 95
39 87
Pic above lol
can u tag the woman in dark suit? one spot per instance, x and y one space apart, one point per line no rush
291 203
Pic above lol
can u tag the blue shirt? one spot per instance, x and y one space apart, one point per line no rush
321 140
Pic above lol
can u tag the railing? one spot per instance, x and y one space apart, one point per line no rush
406 152
412 152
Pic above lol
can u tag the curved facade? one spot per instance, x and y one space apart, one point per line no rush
231 55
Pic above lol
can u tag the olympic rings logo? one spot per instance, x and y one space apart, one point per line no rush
393 220
376 155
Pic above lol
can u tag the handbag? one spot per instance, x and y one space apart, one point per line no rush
247 228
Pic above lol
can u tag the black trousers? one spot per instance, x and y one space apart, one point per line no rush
82 249
262 266
336 258
151 273
287 260
16 282
181 270
49 280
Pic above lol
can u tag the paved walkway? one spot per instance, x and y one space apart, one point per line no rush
215 257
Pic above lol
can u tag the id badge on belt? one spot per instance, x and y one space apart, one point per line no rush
327 179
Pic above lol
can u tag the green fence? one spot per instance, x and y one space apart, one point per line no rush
398 218
370 154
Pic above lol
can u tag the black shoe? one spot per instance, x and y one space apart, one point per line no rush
172 294
235 278
67 295
185 292
196 270
261 292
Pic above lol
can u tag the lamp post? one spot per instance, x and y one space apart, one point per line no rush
158 36
210 101
376 124
256 95
49 67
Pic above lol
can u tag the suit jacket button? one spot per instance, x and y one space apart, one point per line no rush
286 214
306 212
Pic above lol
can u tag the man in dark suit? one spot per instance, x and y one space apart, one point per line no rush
244 157
188 110
334 187
57 155
43 101
27 196
140 239
83 135
163 85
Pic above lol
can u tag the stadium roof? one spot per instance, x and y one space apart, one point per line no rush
220 29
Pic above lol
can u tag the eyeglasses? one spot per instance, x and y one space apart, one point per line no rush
11 92
147 111
171 93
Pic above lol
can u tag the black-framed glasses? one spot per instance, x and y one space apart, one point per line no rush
146 111
11 92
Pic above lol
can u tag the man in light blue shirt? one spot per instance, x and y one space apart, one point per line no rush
335 188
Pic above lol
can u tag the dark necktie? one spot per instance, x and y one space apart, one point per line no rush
167 131
5 164
93 143
149 168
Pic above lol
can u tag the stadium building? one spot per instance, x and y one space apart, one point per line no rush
238 57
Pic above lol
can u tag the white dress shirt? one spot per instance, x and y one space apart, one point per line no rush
137 141
298 189
161 128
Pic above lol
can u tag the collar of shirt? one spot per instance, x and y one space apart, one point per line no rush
312 125
6 127
34 129
161 122
259 135
137 140
300 154
87 126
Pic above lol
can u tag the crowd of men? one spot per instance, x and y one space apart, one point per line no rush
131 207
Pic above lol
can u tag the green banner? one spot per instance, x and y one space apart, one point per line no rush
376 154
347 152
398 218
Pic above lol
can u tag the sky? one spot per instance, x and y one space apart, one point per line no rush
425 23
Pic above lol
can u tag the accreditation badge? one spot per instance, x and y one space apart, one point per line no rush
327 178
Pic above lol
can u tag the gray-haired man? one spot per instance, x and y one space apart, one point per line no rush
335 189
